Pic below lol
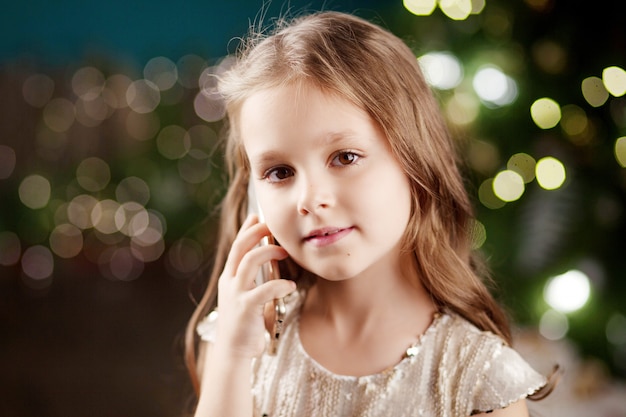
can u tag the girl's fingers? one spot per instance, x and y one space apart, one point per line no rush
249 235
253 260
272 290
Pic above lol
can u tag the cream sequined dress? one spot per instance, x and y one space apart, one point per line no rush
454 370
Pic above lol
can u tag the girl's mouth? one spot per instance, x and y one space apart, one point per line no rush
327 235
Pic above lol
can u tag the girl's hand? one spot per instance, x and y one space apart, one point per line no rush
240 327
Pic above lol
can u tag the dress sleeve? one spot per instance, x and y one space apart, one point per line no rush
207 327
504 379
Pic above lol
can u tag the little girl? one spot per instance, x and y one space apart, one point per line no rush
333 124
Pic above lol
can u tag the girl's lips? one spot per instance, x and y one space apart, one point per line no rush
327 236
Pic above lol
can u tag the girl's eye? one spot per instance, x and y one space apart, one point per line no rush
278 174
345 158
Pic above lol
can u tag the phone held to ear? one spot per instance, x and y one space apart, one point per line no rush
268 271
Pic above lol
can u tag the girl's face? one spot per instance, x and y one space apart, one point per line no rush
331 192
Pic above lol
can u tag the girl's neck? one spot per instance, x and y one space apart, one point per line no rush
365 324
362 303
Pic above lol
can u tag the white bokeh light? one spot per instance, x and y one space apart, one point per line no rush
441 69
567 292
494 87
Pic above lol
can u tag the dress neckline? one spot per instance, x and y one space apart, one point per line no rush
409 356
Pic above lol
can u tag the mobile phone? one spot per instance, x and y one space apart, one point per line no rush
268 271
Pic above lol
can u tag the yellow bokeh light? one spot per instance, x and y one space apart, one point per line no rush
545 112
620 151
614 79
34 191
524 165
594 92
487 196
550 173
508 185
478 6
456 9
420 7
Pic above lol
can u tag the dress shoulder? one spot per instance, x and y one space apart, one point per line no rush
490 374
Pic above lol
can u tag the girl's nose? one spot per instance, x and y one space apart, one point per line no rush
314 196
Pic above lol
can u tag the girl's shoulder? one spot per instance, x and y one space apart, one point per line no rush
480 366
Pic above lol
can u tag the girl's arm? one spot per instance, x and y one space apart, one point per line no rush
517 409
225 388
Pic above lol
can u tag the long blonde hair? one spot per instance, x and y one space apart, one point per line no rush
373 69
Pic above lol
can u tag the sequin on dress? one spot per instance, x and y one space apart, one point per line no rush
454 370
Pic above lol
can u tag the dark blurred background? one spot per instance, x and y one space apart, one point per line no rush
110 172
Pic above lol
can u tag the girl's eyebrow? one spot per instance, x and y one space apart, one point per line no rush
341 138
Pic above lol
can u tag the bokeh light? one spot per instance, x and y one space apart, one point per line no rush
487 196
103 216
616 329
567 292
462 108
614 79
524 165
620 151
494 87
79 211
173 142
132 189
66 240
553 325
574 121
87 83
594 92
143 96
7 161
37 262
420 7
93 174
10 248
34 191
185 256
508 185
550 173
545 112
59 114
441 69
162 72
456 9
